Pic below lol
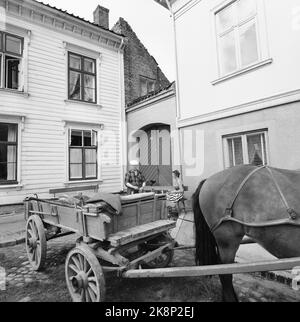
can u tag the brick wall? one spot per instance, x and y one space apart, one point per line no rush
138 62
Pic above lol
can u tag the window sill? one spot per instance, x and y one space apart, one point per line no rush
70 102
83 181
243 71
11 186
14 91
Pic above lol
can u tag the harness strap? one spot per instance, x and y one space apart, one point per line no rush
229 209
289 210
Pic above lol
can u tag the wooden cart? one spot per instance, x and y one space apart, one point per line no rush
139 238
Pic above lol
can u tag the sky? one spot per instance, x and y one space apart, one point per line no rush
150 21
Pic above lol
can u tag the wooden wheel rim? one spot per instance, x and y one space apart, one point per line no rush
36 245
84 276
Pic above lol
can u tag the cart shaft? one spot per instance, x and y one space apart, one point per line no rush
223 269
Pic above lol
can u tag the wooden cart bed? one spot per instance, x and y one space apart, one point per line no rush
143 231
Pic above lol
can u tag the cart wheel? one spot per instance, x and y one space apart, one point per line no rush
164 259
84 276
36 244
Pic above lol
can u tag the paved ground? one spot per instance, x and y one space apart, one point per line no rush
25 285
12 229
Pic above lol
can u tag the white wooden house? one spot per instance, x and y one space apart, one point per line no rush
61 101
238 83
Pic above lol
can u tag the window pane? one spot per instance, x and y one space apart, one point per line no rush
246 9
249 47
75 86
89 65
94 138
1 70
12 72
235 148
3 171
87 138
238 151
76 138
8 133
89 88
3 153
228 53
226 18
75 156
151 87
91 156
8 162
91 170
89 95
257 154
144 87
13 45
75 171
75 62
12 171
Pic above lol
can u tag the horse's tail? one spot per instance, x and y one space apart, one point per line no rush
206 246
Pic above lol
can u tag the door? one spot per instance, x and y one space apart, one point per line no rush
156 156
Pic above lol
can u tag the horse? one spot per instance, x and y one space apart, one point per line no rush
256 201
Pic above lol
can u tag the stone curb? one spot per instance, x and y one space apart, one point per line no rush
12 242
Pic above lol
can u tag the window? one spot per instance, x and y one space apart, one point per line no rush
237 33
8 153
82 78
249 148
11 51
147 86
83 155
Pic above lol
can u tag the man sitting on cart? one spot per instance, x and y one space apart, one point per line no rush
134 180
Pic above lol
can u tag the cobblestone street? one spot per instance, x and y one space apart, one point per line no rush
25 285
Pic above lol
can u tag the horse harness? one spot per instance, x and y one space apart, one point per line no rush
228 216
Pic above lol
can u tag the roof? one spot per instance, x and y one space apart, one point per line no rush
162 2
76 17
150 95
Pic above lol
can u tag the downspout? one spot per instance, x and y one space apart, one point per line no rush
123 125
178 114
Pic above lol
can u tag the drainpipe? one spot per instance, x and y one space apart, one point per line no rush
178 114
123 125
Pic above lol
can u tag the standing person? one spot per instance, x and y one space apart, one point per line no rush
175 196
134 180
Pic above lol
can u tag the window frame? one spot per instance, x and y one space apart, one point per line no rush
245 149
16 144
3 54
82 74
83 149
148 81
236 29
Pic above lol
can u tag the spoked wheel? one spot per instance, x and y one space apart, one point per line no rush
164 259
36 244
84 276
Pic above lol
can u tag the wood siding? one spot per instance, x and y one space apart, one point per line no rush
43 152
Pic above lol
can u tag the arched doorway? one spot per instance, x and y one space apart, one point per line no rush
155 154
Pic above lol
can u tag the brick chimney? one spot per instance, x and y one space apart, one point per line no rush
101 17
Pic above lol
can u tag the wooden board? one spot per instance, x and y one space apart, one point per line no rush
223 269
130 235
